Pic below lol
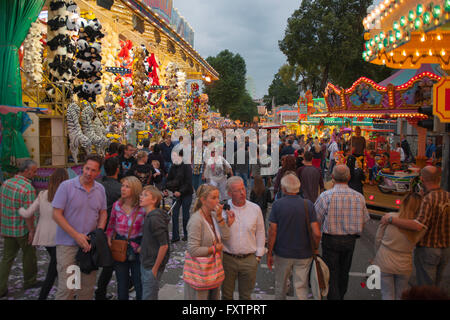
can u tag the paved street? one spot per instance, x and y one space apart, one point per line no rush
172 282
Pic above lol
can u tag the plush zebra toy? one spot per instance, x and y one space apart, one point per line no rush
76 136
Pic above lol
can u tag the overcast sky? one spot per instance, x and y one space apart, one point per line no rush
251 28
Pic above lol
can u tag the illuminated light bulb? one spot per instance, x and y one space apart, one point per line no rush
419 9
442 52
430 53
417 53
422 38
404 53
439 37
391 54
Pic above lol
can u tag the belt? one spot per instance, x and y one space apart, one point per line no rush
342 235
238 256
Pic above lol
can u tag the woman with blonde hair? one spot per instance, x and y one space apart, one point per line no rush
394 248
316 150
46 227
126 223
207 229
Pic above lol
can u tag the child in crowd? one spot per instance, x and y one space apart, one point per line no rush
157 177
370 160
141 169
154 250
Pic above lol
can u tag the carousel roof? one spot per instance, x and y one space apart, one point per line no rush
403 76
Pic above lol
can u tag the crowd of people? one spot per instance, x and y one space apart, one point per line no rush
228 224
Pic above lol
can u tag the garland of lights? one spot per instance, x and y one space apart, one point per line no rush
425 18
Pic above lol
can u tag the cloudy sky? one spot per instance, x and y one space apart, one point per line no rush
251 28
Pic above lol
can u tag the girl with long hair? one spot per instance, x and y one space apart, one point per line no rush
126 215
207 228
288 163
46 227
261 195
394 249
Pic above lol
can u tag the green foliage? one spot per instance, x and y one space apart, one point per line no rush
228 93
323 42
283 88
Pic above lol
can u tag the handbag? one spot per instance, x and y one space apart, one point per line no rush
119 248
319 272
204 273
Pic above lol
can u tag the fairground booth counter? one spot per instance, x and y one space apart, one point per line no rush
78 75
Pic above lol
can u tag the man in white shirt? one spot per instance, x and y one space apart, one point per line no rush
245 248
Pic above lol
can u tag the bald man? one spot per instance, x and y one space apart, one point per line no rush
432 252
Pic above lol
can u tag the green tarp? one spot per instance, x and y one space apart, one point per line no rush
16 17
13 147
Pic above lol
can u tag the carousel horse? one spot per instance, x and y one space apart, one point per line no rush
76 136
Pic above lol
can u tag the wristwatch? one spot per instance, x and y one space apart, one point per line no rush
390 219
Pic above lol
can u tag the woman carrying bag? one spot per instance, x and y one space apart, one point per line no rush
203 271
124 237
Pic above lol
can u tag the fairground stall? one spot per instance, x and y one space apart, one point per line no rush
94 72
407 34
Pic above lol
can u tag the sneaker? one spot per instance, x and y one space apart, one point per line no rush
175 240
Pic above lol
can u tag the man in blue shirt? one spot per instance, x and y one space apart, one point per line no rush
289 243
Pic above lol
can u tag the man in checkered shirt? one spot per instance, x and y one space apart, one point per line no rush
18 232
432 253
342 213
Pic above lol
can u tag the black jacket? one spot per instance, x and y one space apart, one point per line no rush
99 255
180 179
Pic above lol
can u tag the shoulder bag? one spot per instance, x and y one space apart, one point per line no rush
319 273
119 247
204 273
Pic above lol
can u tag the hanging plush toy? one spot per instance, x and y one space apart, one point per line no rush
32 60
59 41
88 58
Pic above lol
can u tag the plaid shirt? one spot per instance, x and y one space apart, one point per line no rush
434 214
120 223
341 211
15 193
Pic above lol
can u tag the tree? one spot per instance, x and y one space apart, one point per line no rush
245 109
283 88
324 42
229 90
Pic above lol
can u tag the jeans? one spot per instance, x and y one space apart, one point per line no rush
11 247
338 253
196 181
102 283
123 278
330 169
393 285
185 204
167 165
150 284
52 273
323 166
283 269
430 265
